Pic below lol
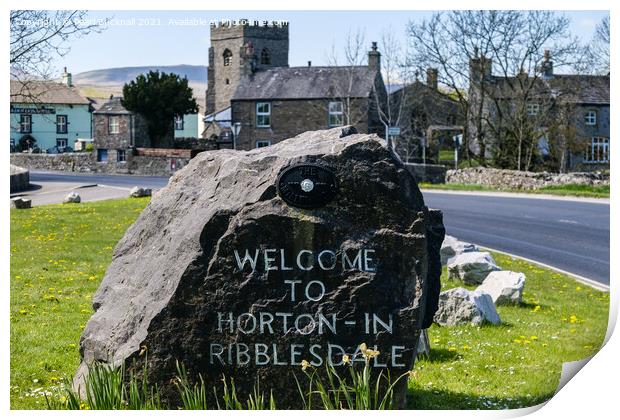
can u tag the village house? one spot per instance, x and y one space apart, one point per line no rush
429 120
117 132
571 111
48 116
270 101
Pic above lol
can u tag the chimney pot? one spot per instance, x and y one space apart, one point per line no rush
309 63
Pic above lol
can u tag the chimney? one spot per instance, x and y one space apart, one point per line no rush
546 68
309 63
431 78
374 58
480 68
66 78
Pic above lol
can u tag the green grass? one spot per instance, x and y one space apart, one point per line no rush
59 255
577 190
518 363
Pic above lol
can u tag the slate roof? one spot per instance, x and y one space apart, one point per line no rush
306 83
112 106
569 88
45 92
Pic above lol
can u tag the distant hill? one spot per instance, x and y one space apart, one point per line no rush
121 75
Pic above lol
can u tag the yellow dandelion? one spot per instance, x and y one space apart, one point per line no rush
466 347
346 359
573 319
451 348
533 338
536 308
518 341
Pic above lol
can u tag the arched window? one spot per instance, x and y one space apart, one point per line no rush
227 57
264 56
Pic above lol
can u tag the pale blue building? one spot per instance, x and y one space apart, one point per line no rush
46 114
186 126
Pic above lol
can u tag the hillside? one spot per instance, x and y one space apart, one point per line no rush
121 75
100 84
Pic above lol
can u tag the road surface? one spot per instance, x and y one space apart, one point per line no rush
570 235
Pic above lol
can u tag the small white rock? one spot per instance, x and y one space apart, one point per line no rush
460 306
140 192
72 197
472 267
451 247
505 287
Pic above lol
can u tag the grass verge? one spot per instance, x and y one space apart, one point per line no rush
59 254
575 190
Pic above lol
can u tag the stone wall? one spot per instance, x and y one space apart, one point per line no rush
435 174
87 162
20 178
504 178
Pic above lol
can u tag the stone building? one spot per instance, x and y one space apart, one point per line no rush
569 113
270 101
117 131
238 50
430 118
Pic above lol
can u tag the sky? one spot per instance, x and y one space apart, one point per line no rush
141 38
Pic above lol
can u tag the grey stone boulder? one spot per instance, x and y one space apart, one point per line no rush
180 287
472 267
460 306
72 197
20 203
451 247
140 192
504 287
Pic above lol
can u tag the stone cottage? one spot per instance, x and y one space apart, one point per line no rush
117 132
430 118
573 109
270 101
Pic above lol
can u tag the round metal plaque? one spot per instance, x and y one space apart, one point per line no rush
307 185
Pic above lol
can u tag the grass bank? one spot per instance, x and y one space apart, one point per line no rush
576 190
59 254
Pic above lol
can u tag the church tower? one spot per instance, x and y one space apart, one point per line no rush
241 48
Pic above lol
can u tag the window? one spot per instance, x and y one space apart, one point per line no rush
120 155
263 114
263 143
597 151
227 57
114 126
61 124
590 118
25 123
61 143
264 56
178 122
102 155
335 114
532 109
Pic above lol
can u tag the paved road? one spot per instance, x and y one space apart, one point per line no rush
128 181
570 235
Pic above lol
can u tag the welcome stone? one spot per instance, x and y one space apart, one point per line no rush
220 274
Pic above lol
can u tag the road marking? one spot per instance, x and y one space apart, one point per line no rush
584 280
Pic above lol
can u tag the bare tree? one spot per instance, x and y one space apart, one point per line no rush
37 37
599 48
354 109
467 46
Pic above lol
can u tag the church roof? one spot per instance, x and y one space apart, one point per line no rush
307 83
